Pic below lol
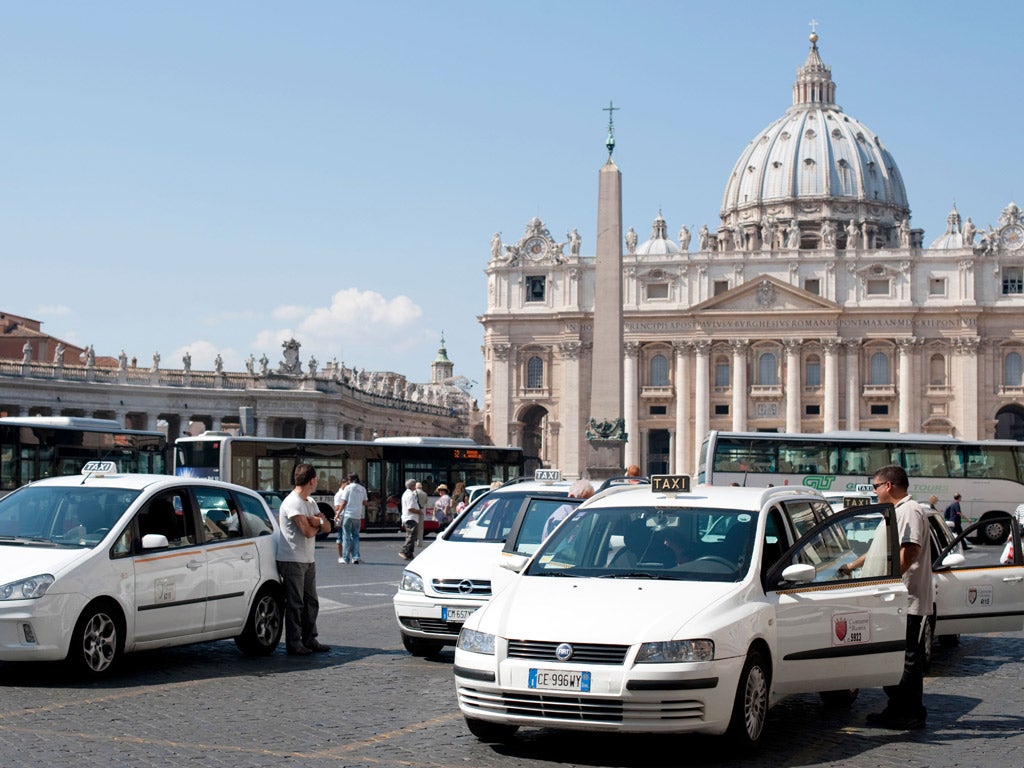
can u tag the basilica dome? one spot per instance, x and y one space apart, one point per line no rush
813 165
658 244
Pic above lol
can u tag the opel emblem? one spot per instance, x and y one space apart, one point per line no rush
465 587
563 652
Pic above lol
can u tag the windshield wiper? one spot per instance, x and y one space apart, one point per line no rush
23 540
557 572
636 575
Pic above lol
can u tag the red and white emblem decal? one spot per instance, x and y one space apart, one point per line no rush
972 595
840 628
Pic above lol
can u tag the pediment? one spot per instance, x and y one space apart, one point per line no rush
766 294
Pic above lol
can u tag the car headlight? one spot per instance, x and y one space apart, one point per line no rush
476 642
411 582
26 589
676 651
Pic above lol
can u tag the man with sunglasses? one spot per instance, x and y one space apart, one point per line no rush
906 710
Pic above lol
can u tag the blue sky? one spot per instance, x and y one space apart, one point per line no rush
216 177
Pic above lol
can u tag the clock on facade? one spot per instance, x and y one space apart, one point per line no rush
1012 237
535 247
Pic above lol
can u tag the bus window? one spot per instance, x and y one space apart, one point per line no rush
864 458
925 461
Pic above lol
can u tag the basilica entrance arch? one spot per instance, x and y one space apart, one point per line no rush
532 437
1010 423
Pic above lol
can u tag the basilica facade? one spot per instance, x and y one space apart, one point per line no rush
813 306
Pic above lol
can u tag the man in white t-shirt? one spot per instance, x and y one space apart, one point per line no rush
338 497
350 506
300 521
412 519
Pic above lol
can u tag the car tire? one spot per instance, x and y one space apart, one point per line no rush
419 646
840 699
949 641
491 733
97 643
263 627
750 708
993 532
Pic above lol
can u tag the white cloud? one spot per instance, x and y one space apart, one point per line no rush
203 354
360 328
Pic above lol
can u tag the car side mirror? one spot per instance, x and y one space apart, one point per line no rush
154 541
514 563
799 572
953 559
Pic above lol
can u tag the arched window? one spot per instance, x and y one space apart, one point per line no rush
534 373
879 369
812 371
768 369
1012 370
721 371
937 371
659 371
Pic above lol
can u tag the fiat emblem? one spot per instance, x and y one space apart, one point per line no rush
563 652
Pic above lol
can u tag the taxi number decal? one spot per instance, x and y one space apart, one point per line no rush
851 628
163 591
980 595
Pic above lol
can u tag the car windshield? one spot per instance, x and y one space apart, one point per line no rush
682 543
61 515
490 519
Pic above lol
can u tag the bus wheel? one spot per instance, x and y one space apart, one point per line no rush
994 531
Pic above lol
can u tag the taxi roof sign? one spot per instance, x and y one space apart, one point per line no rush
547 475
678 483
99 468
864 488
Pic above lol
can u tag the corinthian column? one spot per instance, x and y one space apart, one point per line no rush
967 347
702 397
906 393
831 421
852 383
793 388
502 395
631 398
739 384
569 410
682 462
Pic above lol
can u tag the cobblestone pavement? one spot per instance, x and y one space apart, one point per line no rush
368 703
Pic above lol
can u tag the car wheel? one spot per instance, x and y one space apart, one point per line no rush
492 733
927 641
750 709
262 631
949 641
994 532
98 640
840 699
418 646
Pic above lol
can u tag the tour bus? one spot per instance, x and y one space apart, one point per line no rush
989 474
384 465
34 447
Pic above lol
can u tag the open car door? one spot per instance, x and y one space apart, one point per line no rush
976 591
537 517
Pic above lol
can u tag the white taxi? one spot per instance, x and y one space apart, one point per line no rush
654 610
452 577
105 563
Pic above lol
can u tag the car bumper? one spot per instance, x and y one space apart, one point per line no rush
433 618
38 630
646 698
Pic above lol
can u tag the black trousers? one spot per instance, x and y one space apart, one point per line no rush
906 699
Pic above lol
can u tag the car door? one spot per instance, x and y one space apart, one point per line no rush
170 581
975 591
232 563
537 517
835 631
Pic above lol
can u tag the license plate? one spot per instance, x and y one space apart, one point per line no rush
455 614
559 680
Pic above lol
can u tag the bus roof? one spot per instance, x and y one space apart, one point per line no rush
74 422
425 440
841 436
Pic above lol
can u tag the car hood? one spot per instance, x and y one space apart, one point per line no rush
457 560
618 611
20 562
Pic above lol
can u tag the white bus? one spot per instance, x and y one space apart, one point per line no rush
266 463
989 474
34 447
